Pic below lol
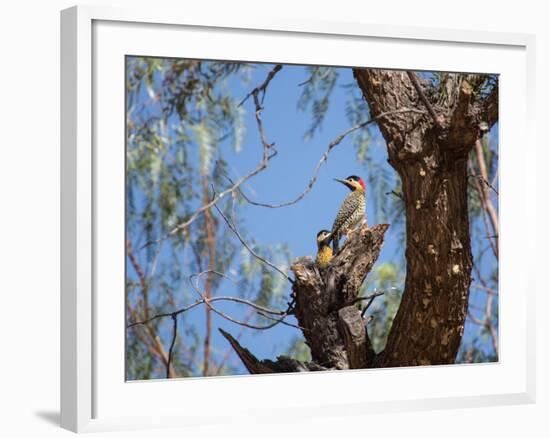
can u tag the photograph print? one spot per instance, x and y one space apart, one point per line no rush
296 218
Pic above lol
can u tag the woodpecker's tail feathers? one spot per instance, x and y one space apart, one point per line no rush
335 238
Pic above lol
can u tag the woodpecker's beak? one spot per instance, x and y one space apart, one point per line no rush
343 181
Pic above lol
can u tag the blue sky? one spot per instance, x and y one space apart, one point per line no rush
286 177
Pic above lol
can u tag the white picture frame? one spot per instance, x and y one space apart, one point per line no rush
94 396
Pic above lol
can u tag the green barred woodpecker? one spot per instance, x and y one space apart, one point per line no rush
352 210
324 251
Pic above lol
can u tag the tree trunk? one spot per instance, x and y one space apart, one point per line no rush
429 324
429 152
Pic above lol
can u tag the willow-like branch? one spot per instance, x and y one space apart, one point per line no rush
268 153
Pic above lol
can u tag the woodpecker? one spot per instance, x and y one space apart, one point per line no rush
324 251
352 210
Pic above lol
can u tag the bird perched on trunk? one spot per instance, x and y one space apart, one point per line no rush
352 210
324 251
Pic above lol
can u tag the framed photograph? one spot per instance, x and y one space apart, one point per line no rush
323 212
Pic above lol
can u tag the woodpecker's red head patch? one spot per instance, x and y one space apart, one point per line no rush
358 179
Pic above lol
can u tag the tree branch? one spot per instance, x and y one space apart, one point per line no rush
171 350
284 364
153 342
268 153
488 210
489 290
369 298
324 158
423 98
262 88
230 318
203 301
210 232
141 277
233 228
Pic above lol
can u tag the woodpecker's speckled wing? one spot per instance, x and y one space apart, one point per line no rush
351 212
340 218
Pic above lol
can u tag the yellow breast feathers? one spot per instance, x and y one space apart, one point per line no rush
324 256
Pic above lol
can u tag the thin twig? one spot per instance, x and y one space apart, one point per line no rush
310 79
485 288
423 98
263 86
203 301
476 320
225 315
324 158
484 181
488 321
152 341
141 276
482 194
171 350
282 321
233 228
488 318
368 298
488 203
371 299
394 193
369 319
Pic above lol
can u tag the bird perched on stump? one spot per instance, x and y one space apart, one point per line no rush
324 251
352 210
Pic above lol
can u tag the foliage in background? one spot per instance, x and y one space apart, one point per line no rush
181 118
180 114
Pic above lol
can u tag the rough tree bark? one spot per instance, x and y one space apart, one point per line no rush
326 309
429 152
